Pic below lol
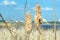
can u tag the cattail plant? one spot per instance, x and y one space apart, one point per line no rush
28 25
38 20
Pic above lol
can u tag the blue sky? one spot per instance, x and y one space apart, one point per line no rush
14 9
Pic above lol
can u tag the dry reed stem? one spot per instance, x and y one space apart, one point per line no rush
7 26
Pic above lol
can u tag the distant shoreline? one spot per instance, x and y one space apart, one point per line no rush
51 22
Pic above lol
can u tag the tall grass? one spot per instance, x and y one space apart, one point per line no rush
46 35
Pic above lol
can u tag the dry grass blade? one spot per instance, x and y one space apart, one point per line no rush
7 25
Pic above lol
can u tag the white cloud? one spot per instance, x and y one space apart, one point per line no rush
44 8
21 7
59 20
47 9
33 8
6 2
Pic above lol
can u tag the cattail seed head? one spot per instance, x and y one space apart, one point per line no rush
28 24
38 15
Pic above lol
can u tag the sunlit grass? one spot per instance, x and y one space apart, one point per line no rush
46 34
